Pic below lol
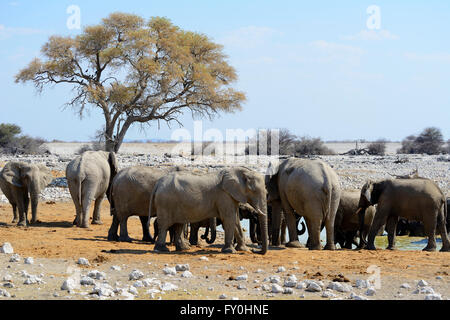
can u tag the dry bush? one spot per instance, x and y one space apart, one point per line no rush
13 143
430 141
377 148
311 146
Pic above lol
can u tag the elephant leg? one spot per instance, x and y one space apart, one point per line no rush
76 201
193 236
349 236
430 232
15 214
329 226
83 221
314 234
276 223
240 237
112 232
292 227
378 222
442 228
96 219
329 220
162 227
283 230
146 236
21 206
391 226
228 215
123 237
180 244
253 227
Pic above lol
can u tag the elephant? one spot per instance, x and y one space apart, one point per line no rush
410 228
171 231
311 188
129 195
347 222
418 199
209 224
89 177
188 197
245 212
21 182
281 224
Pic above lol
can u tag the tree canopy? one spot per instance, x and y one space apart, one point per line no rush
137 71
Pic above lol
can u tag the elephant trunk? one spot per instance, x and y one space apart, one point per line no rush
213 226
262 218
302 230
34 196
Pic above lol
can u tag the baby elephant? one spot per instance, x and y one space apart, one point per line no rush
348 220
21 181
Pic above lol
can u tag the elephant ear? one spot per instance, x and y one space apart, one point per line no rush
231 185
112 160
46 176
12 174
377 189
368 194
271 182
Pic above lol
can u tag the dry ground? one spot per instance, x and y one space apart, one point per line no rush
55 237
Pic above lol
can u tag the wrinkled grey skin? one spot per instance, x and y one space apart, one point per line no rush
130 195
414 199
311 188
21 182
183 197
89 177
348 220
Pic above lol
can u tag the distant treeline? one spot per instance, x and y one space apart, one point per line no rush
429 141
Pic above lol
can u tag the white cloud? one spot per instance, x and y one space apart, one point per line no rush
372 35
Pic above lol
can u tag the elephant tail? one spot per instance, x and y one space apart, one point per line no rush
112 206
327 190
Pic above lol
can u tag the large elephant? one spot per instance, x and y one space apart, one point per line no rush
414 199
183 197
21 181
130 195
348 220
311 188
89 177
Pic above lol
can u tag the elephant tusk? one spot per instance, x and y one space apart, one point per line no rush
358 211
261 213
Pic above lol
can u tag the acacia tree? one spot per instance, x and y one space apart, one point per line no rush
137 71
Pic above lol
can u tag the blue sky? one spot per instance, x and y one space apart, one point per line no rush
312 67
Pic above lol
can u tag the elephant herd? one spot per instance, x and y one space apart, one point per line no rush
178 197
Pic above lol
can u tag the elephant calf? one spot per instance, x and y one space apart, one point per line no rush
89 177
413 199
348 221
21 181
